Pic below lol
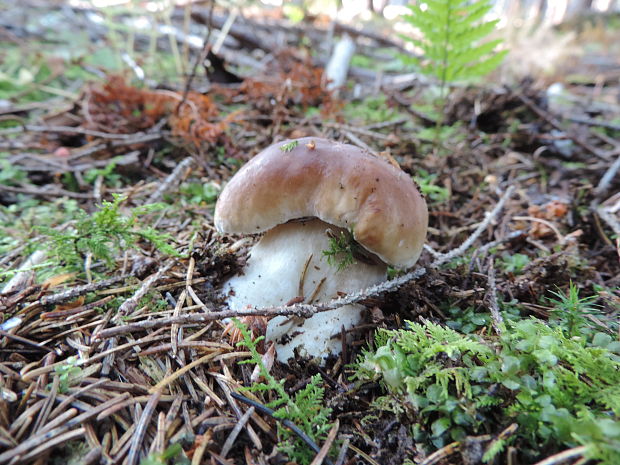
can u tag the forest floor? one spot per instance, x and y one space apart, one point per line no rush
111 346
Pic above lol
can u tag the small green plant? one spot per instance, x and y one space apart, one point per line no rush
560 391
10 175
104 233
426 182
154 301
467 321
110 178
514 263
570 312
68 373
341 250
198 192
370 110
290 146
174 451
305 409
451 42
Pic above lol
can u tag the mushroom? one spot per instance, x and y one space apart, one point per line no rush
301 193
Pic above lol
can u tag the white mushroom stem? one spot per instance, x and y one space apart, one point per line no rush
288 259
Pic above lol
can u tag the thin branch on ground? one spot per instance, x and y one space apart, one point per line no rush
46 193
130 304
564 456
445 258
307 310
139 138
200 58
172 179
496 318
77 291
69 130
608 177
443 453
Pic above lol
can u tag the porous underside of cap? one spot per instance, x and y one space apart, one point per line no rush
338 183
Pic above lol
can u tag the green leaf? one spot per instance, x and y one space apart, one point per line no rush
440 426
601 339
510 365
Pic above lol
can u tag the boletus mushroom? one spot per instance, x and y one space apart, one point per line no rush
304 194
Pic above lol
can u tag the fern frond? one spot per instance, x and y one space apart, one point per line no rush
451 34
495 448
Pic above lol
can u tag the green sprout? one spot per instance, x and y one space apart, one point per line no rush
290 146
341 250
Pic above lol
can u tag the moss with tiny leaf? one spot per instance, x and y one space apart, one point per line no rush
561 391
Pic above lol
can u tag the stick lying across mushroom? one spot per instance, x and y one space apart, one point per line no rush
306 195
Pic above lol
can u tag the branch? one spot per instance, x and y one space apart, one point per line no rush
445 258
173 178
307 310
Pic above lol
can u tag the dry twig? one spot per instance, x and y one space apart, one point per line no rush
564 456
496 318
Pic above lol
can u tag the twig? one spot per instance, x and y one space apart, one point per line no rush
307 310
595 122
24 273
444 258
483 249
23 340
547 223
427 120
289 424
612 222
139 138
130 304
608 177
363 454
79 290
40 192
342 455
69 129
173 178
338 66
442 453
496 318
359 142
362 131
200 58
73 311
225 29
432 251
301 310
563 456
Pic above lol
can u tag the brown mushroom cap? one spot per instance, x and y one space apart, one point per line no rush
337 183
